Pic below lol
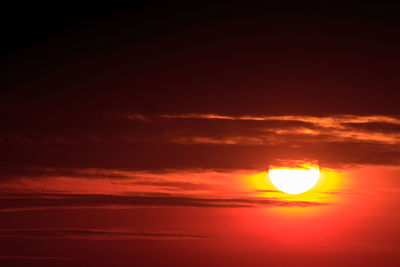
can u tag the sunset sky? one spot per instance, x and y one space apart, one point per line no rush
143 135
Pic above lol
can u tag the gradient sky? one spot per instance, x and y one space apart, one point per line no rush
142 135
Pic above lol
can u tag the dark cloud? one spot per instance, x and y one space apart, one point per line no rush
156 156
9 172
27 201
380 127
95 233
176 185
202 141
345 154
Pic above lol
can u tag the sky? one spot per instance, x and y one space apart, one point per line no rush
143 134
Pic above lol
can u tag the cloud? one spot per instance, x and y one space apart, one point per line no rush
350 139
108 181
380 129
32 201
8 172
95 233
376 126
326 120
200 141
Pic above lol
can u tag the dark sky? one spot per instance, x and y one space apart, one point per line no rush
223 58
73 73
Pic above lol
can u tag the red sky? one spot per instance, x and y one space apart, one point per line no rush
139 135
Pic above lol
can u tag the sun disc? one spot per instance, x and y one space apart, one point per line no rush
294 181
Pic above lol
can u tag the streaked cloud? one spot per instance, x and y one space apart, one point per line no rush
94 233
347 137
38 201
204 141
339 127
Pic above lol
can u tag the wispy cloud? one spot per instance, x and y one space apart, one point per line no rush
203 141
338 127
120 182
347 137
95 233
325 120
21 201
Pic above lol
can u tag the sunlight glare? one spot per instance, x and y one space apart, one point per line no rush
294 181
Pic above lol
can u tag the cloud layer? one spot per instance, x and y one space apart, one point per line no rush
202 141
93 233
33 201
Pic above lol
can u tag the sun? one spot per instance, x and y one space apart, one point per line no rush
294 181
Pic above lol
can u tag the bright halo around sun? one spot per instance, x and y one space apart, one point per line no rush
294 181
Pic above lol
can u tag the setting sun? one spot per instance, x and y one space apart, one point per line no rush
294 181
